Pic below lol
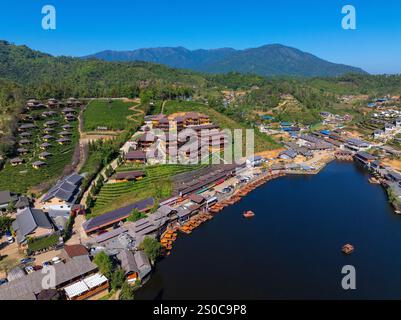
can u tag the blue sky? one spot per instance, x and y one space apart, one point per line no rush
88 26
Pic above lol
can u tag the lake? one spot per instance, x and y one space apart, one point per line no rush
291 249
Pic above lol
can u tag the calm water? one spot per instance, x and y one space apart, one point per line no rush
292 247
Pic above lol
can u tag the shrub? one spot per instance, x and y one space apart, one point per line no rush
127 292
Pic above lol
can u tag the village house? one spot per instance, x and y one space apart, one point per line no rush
377 134
30 286
6 197
67 126
50 123
288 154
22 203
179 122
59 217
136 265
191 118
67 110
357 145
136 156
70 117
38 164
48 130
125 176
31 223
254 161
24 142
389 127
162 124
73 102
50 113
110 218
52 103
63 141
25 134
156 119
393 176
87 287
169 142
47 138
44 155
33 104
197 199
71 251
65 134
183 214
16 161
63 195
45 145
365 158
26 126
146 140
22 151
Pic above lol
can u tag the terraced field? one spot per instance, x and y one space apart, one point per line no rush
23 177
157 183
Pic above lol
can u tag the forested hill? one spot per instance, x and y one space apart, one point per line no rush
42 75
66 76
268 60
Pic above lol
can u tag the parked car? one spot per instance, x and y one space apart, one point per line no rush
10 240
3 281
56 260
27 260
227 190
29 269
36 268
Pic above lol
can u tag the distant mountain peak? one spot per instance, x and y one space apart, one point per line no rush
267 60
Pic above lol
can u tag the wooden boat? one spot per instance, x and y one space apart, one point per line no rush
347 248
374 180
249 214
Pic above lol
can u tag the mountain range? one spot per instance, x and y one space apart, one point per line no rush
267 60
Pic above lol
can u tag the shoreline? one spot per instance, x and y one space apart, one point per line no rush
242 191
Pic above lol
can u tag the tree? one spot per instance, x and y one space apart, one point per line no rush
89 201
5 223
11 207
104 264
117 278
109 171
127 292
151 247
135 215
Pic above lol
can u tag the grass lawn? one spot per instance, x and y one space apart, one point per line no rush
157 183
262 141
114 115
22 177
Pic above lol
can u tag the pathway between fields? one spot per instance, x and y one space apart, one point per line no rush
114 163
